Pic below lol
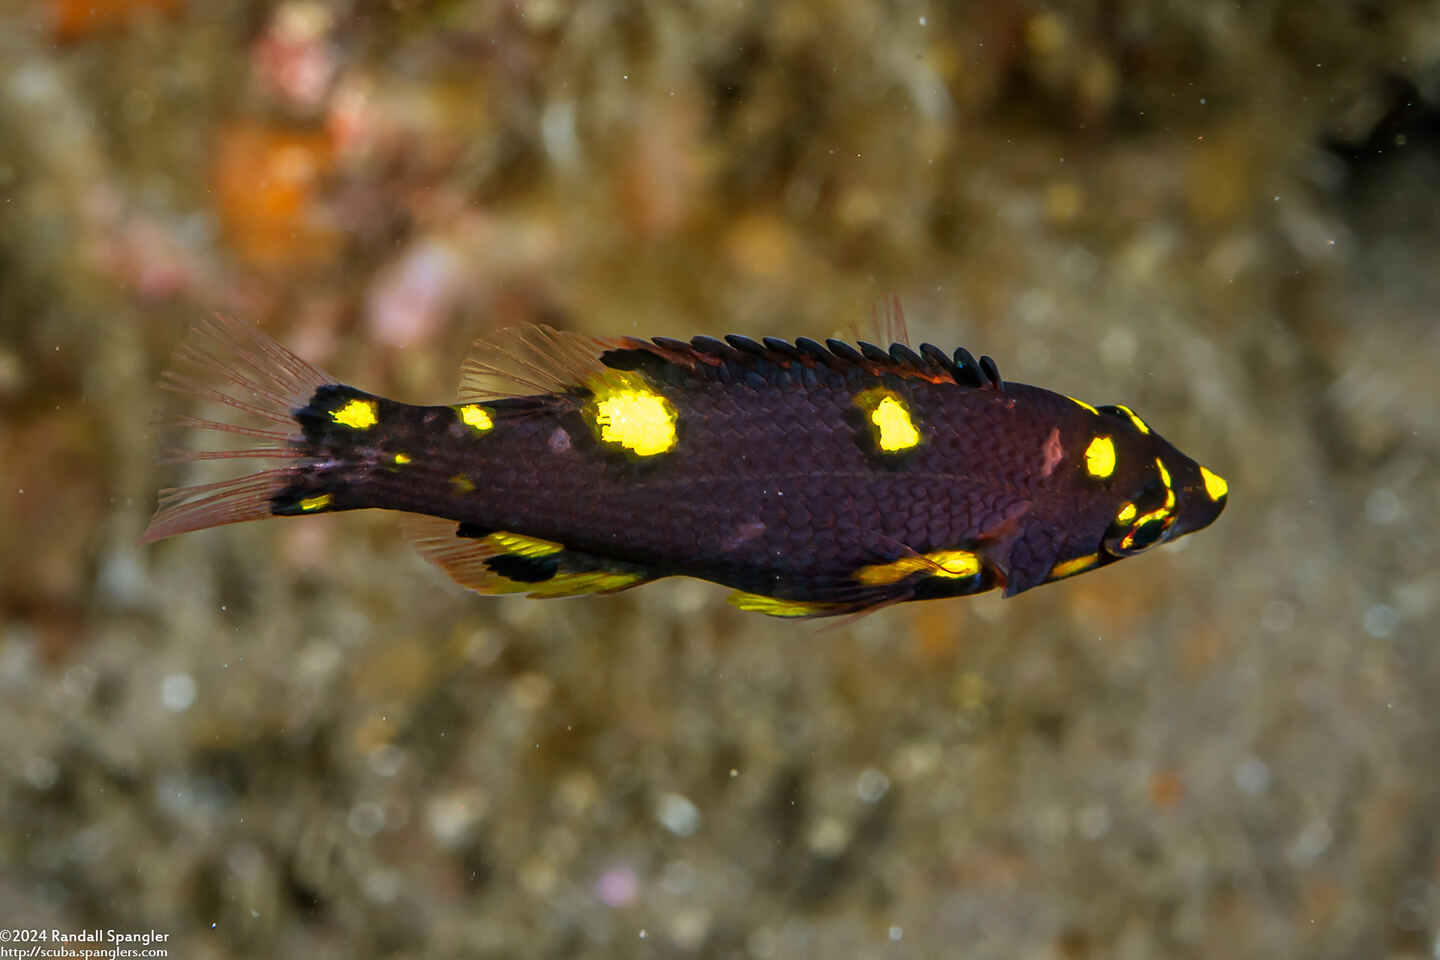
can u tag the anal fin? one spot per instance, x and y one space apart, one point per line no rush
501 562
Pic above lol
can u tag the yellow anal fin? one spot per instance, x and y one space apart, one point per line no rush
502 562
778 607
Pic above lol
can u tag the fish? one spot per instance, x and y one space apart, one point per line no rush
813 479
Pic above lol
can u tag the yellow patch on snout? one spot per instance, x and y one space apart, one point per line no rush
357 414
1215 485
1100 458
637 419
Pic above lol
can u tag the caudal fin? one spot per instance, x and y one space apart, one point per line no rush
228 362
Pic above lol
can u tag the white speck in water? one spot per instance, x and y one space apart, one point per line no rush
177 692
643 934
1380 621
1383 506
897 933
366 819
871 785
678 815
41 773
1252 776
922 21
385 760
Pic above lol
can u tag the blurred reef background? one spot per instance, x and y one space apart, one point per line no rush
294 739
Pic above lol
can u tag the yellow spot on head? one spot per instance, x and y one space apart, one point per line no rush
1139 424
401 459
897 430
1215 485
319 502
776 607
357 414
949 564
475 417
1068 568
1087 406
1100 457
637 419
1126 514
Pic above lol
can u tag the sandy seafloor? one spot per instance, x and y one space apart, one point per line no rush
295 739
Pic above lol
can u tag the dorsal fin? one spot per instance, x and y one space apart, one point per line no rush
530 360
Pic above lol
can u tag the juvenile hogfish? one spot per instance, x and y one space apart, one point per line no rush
815 479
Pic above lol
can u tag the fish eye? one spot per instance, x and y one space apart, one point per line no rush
1141 524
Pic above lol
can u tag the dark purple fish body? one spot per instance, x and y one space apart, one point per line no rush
814 479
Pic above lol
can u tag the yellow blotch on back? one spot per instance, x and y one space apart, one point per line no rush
357 414
949 564
1135 421
895 429
475 417
635 417
1215 485
1100 458
1082 403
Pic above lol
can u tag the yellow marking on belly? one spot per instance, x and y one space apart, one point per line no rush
949 564
475 417
1068 568
636 418
357 414
462 483
1082 403
1126 514
318 502
775 606
1100 458
586 581
519 545
1215 485
1139 424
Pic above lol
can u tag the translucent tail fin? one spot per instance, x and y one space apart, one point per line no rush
228 362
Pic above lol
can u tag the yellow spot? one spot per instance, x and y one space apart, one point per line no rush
319 502
357 414
638 419
588 581
1215 485
1082 403
897 431
462 483
1126 514
1164 476
1140 425
1100 457
519 545
776 607
1068 568
950 564
402 458
475 417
